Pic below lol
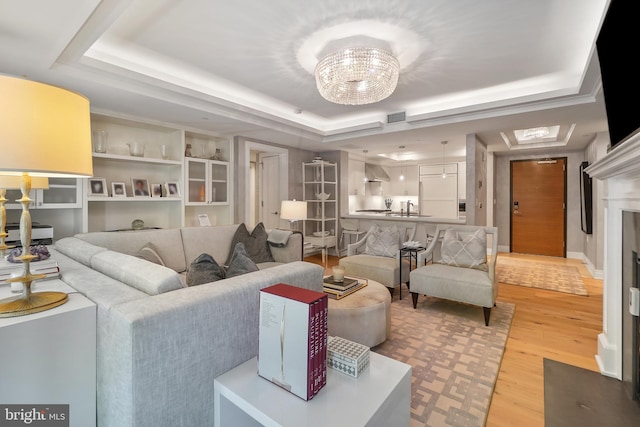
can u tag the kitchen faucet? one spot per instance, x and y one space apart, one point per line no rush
409 204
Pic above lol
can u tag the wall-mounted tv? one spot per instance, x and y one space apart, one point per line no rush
617 44
586 200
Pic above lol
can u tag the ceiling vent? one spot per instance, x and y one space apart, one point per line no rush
396 117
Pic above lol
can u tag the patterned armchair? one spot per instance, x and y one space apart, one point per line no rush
375 256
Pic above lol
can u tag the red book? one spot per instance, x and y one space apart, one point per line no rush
290 333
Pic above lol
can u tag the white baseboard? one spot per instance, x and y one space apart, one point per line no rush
595 273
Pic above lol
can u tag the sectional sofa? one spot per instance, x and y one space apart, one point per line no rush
160 344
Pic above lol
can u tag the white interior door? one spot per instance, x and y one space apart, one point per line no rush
269 186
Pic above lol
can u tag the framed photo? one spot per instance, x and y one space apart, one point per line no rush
118 189
173 190
156 190
98 187
140 187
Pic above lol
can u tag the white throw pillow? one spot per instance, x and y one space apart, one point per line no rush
383 241
465 249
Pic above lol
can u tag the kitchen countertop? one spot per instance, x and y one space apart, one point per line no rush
411 218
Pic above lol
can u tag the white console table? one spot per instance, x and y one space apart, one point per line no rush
380 396
50 357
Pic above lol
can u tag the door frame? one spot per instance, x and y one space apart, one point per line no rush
283 153
260 165
566 166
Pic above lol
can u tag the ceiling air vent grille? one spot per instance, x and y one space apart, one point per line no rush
396 117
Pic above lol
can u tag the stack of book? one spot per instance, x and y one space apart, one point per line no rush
346 356
292 348
48 267
340 289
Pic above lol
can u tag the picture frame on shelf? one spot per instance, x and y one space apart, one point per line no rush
118 189
140 187
172 188
98 187
156 190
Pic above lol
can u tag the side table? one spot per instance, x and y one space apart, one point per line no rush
50 357
410 253
380 396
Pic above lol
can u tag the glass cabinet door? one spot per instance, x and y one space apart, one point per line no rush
62 193
196 182
219 180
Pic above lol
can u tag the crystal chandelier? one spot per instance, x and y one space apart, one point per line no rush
357 76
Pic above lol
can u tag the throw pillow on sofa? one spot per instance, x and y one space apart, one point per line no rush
240 263
205 269
255 243
150 253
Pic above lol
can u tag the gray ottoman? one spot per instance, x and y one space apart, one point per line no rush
363 317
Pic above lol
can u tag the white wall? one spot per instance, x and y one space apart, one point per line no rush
594 243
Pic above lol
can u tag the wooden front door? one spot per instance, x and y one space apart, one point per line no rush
538 206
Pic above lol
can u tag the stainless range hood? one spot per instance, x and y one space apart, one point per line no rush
375 173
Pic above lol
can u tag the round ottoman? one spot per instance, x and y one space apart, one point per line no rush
363 317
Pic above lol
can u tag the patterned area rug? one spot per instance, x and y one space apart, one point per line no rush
454 356
542 275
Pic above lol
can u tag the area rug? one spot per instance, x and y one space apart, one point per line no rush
578 397
454 357
541 275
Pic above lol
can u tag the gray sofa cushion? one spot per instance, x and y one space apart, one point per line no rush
168 242
143 275
255 243
78 249
215 241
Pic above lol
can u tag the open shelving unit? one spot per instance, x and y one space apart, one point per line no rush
321 225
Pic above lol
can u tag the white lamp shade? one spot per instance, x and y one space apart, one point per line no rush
293 210
44 130
13 182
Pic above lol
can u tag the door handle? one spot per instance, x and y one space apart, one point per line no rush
275 213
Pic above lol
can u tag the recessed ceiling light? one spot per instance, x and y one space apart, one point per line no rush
537 134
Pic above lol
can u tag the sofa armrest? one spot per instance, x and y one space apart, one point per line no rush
291 252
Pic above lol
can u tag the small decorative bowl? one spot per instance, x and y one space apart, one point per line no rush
322 196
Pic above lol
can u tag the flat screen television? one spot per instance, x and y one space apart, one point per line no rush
617 45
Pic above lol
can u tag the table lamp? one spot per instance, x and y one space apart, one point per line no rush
10 182
45 132
293 210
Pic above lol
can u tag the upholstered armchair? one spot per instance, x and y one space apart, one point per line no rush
462 273
375 256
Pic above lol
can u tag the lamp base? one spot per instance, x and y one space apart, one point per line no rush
34 303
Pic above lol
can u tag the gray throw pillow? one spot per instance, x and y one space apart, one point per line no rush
204 269
255 243
240 263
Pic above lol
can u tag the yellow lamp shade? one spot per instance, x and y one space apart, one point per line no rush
44 130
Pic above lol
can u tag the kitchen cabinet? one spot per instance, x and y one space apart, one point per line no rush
356 178
438 194
462 180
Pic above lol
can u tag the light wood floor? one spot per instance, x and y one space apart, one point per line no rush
546 324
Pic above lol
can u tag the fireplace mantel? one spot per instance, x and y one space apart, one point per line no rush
620 171
623 162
